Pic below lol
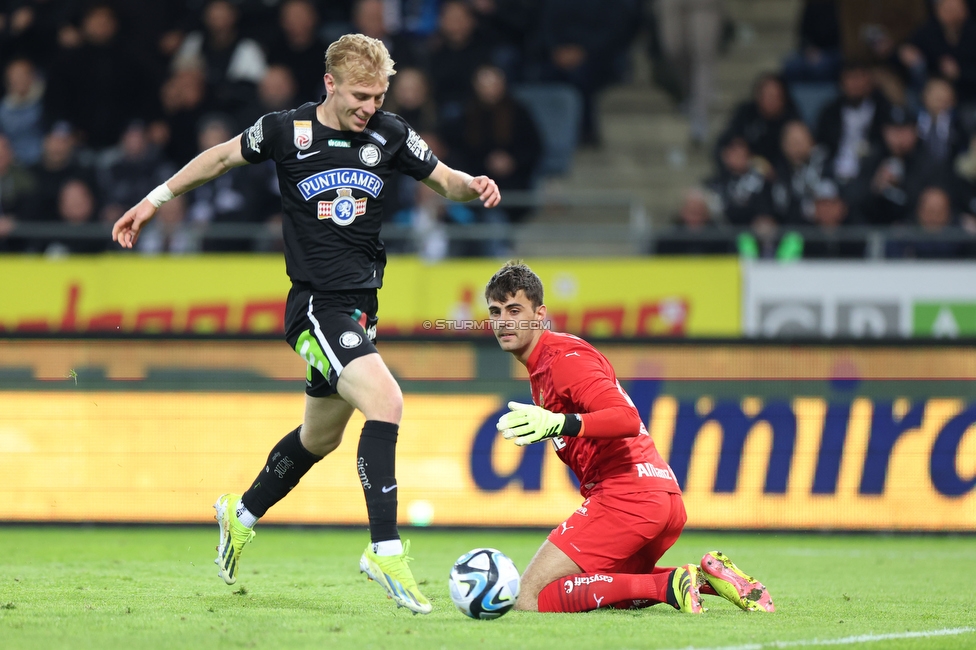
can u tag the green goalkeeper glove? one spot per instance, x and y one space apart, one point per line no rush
528 423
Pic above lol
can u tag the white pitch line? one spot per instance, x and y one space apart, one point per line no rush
847 640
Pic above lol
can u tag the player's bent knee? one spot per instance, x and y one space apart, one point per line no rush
321 441
527 603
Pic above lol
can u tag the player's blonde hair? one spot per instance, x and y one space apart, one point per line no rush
356 58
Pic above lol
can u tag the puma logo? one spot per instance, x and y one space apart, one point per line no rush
573 354
565 528
598 600
303 156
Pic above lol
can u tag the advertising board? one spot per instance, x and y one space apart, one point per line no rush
759 436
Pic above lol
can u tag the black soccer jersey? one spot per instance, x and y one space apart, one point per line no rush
332 187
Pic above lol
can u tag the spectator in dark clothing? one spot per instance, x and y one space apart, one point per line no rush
945 46
963 186
694 231
583 42
298 48
801 167
239 196
16 187
829 214
152 32
872 30
369 18
939 127
184 103
36 27
496 136
22 111
97 87
276 92
507 24
233 65
760 120
169 232
894 175
58 164
77 207
410 98
851 125
818 56
933 216
456 51
137 168
742 190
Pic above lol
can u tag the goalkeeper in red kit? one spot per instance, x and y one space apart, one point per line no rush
606 552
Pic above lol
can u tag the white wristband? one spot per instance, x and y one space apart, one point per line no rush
160 195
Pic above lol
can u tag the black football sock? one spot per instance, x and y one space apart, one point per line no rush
287 464
376 463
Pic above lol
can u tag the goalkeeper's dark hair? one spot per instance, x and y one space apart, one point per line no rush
510 278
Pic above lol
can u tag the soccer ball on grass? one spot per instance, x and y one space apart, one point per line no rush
484 583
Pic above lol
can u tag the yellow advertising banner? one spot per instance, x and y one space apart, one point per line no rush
803 463
245 294
165 457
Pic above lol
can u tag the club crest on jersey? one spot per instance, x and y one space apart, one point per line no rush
369 154
343 209
303 134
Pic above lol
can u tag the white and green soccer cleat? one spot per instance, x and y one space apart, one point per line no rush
234 536
392 573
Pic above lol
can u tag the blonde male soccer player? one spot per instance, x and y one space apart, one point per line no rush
606 552
334 159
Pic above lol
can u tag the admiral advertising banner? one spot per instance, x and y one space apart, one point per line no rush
770 437
246 294
860 300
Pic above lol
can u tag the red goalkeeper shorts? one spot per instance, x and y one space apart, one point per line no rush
621 533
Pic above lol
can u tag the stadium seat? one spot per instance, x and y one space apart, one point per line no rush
810 97
557 109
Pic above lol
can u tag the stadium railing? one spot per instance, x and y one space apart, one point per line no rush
594 218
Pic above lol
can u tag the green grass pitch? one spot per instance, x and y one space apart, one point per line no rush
78 587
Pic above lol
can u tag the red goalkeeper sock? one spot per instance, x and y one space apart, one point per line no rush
641 603
583 592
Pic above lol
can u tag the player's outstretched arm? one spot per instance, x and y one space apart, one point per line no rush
458 186
205 167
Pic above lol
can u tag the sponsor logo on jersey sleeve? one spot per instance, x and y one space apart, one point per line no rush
343 209
255 135
369 155
333 179
303 134
376 136
417 146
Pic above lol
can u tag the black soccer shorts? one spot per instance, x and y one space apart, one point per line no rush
328 330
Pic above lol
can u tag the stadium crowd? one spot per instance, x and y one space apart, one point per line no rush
865 129
868 128
104 100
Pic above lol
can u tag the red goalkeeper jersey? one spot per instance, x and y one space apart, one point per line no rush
613 450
